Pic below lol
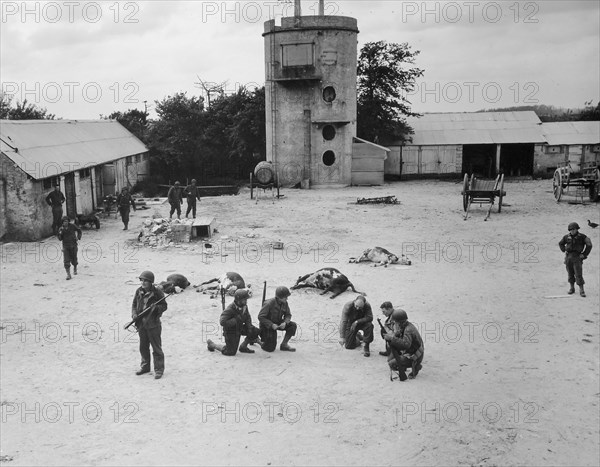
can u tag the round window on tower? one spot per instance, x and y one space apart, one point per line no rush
328 132
328 158
329 94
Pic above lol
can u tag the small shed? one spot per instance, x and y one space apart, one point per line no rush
484 143
368 161
569 143
89 159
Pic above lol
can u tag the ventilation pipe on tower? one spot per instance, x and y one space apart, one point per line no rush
321 7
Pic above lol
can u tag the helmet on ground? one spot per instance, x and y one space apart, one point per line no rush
147 276
282 292
399 315
241 294
573 225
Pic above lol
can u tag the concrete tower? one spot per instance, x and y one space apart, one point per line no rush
311 97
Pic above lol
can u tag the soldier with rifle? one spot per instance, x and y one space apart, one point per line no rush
387 309
236 322
406 346
149 303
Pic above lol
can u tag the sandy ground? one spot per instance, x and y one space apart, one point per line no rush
511 370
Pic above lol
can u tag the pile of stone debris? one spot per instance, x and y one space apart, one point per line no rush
161 232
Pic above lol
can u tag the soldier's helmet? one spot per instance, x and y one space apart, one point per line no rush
177 183
573 225
399 315
65 218
240 294
282 292
147 276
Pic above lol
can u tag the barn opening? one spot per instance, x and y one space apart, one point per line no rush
479 159
516 160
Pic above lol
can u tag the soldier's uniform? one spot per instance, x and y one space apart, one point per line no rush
124 200
237 322
576 247
69 235
149 326
276 311
55 200
406 346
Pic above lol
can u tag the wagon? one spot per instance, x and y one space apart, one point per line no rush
566 182
482 191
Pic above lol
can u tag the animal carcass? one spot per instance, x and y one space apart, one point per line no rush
381 257
229 282
327 280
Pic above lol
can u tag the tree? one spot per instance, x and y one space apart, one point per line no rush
384 79
136 121
21 110
590 113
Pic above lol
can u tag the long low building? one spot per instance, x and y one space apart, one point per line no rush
488 143
88 158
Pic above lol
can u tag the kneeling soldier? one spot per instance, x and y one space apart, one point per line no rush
275 316
357 316
406 346
236 322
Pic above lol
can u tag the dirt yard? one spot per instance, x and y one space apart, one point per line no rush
511 369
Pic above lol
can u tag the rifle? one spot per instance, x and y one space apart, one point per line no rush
264 293
222 299
383 330
145 311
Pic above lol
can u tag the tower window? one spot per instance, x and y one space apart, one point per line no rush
329 94
328 158
328 132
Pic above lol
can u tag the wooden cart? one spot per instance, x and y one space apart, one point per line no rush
482 191
566 182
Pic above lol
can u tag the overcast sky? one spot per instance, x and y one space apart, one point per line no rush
81 59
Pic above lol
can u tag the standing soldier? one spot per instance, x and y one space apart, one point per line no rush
175 200
192 194
124 200
70 234
236 322
406 346
55 199
275 316
357 316
577 247
149 326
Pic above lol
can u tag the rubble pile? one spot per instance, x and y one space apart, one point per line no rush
161 232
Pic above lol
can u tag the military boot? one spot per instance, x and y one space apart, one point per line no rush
68 273
571 290
581 291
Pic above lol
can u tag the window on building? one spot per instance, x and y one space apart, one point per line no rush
50 182
328 158
329 94
129 160
138 158
297 55
85 173
328 132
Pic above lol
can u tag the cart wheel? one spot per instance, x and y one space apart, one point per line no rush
501 185
464 192
557 185
595 188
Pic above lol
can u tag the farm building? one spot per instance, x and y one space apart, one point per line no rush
572 143
88 158
484 143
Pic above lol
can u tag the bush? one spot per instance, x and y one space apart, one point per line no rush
148 188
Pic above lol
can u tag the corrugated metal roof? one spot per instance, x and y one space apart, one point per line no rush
477 128
46 148
558 133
